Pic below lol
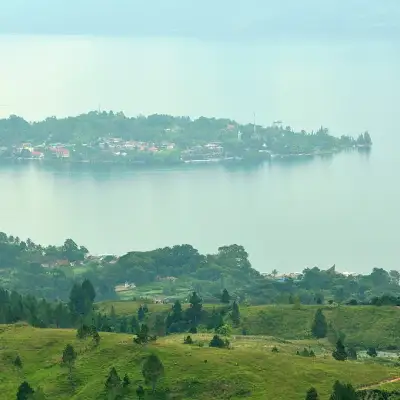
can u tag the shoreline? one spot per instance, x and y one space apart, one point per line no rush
229 161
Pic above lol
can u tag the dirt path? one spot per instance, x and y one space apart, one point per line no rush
379 383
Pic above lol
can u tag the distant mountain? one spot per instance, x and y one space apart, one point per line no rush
203 19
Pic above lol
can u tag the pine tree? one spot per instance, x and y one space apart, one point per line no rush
123 325
235 314
225 297
177 314
152 370
159 326
126 381
312 394
113 319
25 392
372 352
352 353
88 290
343 392
17 362
113 383
141 314
69 356
340 353
140 392
134 324
143 335
96 338
319 327
195 309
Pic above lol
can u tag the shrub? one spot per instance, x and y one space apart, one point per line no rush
275 350
216 341
188 340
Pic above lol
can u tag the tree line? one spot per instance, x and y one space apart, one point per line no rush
29 268
184 131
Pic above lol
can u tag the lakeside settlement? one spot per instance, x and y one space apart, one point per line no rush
106 137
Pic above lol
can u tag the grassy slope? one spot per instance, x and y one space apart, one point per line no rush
249 368
367 325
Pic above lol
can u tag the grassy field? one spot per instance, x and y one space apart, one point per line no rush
362 325
248 370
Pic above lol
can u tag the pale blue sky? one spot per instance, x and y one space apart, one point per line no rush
203 19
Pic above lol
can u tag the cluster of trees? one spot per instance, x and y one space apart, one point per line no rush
185 132
317 286
114 386
340 391
345 391
321 329
24 267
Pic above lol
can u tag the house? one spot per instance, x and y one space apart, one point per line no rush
60 152
37 154
166 278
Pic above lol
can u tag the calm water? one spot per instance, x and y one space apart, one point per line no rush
341 210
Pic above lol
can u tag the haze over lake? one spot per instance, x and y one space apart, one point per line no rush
342 209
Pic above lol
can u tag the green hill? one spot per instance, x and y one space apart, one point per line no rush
249 370
363 326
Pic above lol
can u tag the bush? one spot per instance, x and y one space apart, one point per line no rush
372 352
275 350
216 341
188 340
224 330
17 362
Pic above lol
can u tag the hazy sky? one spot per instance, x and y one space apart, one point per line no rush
205 19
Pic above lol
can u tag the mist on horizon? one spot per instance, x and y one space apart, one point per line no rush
253 19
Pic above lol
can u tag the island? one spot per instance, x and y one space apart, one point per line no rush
162 140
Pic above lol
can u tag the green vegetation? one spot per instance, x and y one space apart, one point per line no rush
173 273
249 368
109 137
209 342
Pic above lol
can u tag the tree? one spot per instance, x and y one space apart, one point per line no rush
113 384
25 391
69 356
141 314
395 277
134 324
142 336
140 392
352 353
17 362
224 330
152 370
96 338
88 290
113 319
372 352
319 326
342 391
340 353
195 309
77 300
159 325
216 341
235 314
225 297
312 394
123 325
188 340
126 381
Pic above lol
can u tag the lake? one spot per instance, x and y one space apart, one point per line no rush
342 209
